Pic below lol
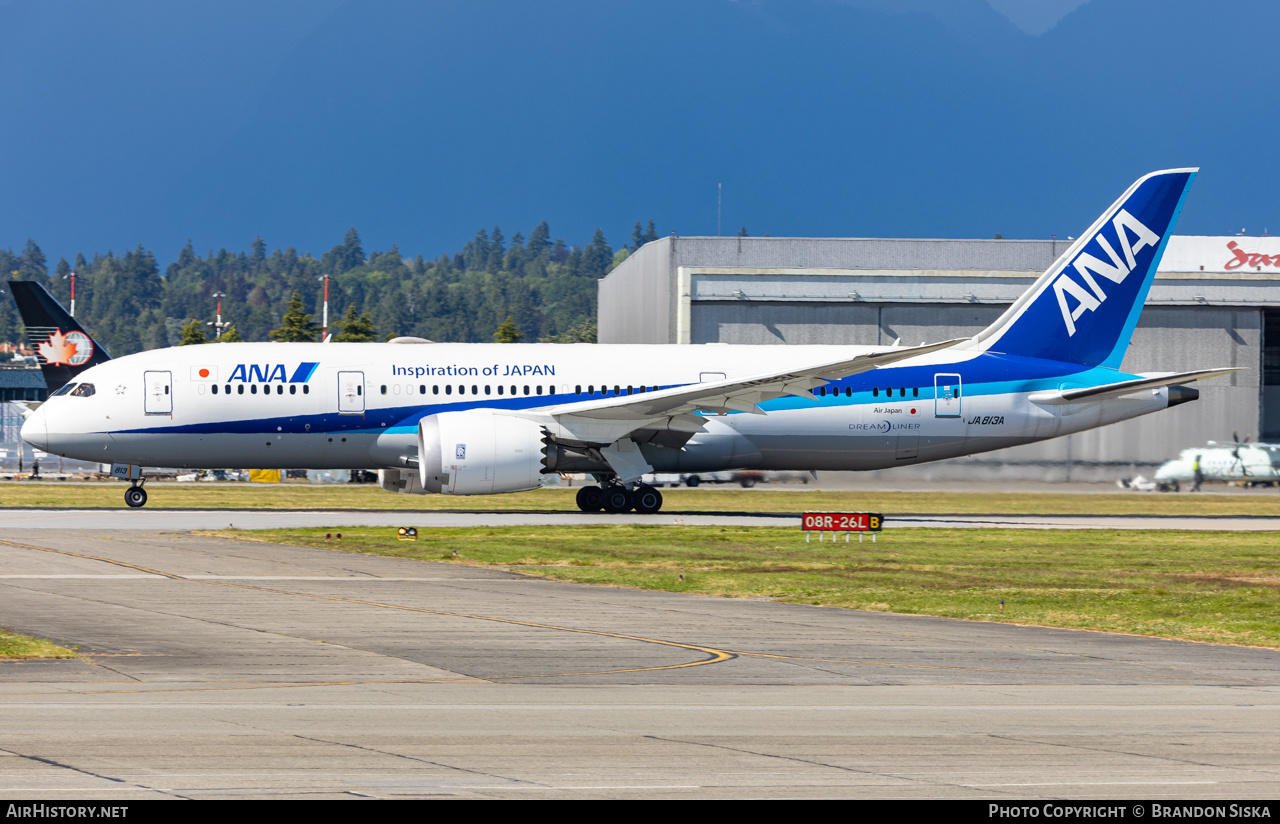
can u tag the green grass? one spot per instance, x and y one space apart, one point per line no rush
792 499
1220 587
14 646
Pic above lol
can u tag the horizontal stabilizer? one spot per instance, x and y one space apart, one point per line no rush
1112 390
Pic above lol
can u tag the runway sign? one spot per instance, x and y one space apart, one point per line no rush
846 522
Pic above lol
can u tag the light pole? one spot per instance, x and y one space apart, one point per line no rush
324 318
72 276
218 325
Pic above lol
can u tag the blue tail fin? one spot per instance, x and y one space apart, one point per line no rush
1084 308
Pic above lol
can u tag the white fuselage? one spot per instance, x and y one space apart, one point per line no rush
334 406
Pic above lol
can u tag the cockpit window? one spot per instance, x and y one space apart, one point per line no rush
84 390
64 390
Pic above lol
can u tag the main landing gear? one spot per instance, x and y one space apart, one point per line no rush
617 498
135 496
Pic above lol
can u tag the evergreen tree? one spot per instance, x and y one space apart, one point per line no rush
230 335
585 331
345 256
743 232
60 287
352 249
651 234
356 327
597 257
637 236
187 256
32 262
192 332
296 326
543 284
540 239
507 332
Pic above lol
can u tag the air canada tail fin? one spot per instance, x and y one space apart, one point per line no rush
62 346
1084 308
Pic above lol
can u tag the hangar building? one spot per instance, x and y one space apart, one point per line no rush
1215 302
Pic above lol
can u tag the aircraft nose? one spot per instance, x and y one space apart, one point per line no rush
35 430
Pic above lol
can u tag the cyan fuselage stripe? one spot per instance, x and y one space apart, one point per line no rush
303 373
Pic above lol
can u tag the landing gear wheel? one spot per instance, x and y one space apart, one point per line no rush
692 480
591 499
617 499
647 499
135 496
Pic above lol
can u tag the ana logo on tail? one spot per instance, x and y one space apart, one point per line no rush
1088 265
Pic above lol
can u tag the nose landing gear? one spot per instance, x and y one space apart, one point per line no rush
135 496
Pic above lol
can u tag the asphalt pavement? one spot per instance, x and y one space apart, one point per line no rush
219 668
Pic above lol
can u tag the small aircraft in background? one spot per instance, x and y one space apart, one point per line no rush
1249 464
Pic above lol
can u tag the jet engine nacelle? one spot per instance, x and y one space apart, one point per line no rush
479 452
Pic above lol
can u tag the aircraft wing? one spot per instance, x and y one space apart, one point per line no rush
1111 390
605 420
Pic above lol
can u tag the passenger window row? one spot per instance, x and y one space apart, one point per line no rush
266 389
462 389
835 392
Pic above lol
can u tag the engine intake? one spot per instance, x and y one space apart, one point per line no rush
479 452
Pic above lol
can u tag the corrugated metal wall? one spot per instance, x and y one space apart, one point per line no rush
865 253
637 299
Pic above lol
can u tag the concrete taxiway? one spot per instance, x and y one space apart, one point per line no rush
199 519
220 668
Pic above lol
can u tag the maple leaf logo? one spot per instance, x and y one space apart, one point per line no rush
57 349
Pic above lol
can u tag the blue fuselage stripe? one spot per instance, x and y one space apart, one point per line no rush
988 373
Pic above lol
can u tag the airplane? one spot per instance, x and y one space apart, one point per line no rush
1253 464
63 348
479 419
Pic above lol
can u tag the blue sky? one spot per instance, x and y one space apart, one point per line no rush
419 121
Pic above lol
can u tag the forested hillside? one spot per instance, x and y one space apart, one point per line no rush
545 286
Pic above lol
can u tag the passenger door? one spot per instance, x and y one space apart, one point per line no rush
158 396
946 395
350 393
